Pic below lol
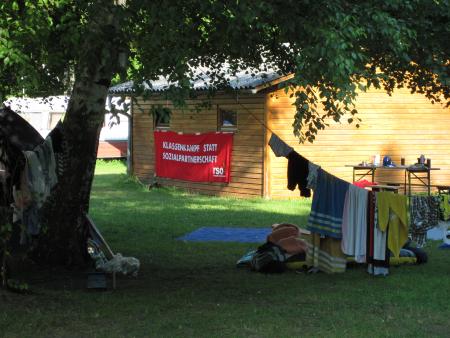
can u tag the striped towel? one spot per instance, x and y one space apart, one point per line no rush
328 205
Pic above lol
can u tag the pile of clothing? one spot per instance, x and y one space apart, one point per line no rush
285 248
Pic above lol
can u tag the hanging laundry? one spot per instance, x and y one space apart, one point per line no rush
380 247
279 147
328 205
325 254
377 252
445 207
41 168
297 173
424 211
21 192
30 218
354 223
393 217
312 175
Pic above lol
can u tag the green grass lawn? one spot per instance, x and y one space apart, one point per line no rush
187 289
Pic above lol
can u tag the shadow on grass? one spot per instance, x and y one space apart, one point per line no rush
190 289
122 205
146 223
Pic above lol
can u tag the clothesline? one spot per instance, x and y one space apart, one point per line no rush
349 221
253 115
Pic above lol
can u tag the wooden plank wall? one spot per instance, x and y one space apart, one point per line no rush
248 143
401 125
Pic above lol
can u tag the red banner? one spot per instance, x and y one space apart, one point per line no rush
191 157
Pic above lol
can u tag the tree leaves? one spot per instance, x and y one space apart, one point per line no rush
335 48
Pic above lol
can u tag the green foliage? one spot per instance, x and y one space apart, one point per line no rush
38 42
160 114
334 48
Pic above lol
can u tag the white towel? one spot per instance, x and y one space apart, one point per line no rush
354 223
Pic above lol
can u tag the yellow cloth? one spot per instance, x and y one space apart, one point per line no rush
325 254
393 211
402 260
445 207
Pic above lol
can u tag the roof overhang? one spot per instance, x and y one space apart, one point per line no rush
272 83
241 82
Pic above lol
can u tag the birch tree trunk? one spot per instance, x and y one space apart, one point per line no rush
64 241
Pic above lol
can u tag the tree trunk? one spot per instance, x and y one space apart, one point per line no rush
64 240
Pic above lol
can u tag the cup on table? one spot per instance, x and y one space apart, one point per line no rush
377 159
402 161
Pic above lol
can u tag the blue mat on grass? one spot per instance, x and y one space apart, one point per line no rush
224 234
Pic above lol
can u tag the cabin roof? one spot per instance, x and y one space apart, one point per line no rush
244 80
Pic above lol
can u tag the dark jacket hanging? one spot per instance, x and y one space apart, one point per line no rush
297 173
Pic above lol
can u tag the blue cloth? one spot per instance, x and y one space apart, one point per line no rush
226 234
328 205
435 234
246 260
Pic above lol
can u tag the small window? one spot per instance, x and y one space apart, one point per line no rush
226 119
161 117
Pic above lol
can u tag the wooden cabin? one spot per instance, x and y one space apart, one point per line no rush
402 125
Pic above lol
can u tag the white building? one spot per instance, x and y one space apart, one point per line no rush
44 113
